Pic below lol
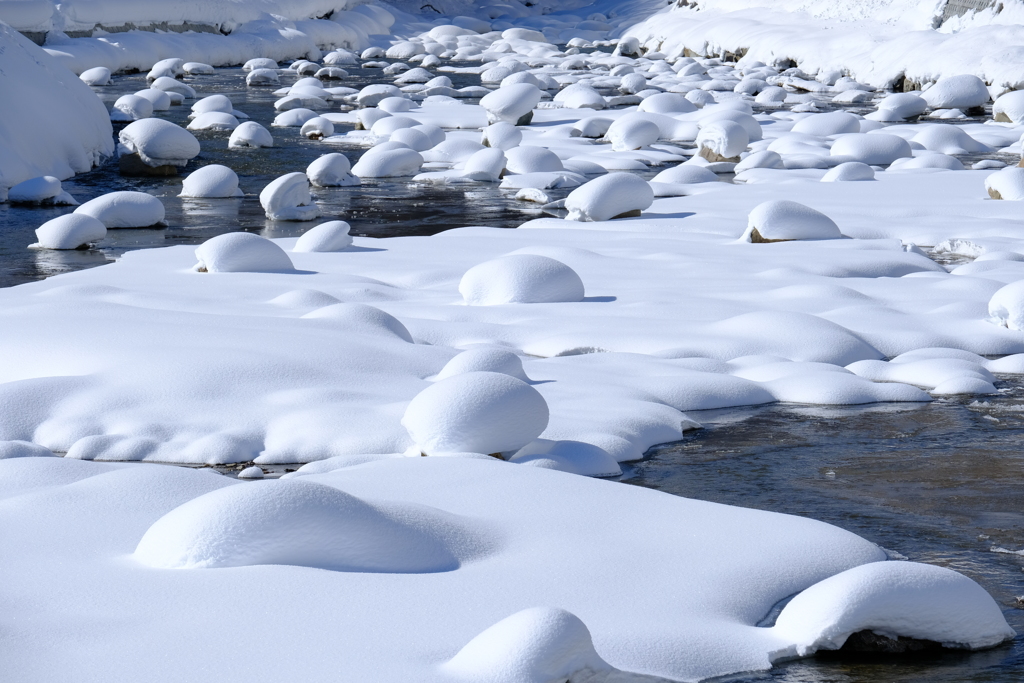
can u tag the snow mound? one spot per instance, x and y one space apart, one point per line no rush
1009 108
485 165
537 645
667 103
964 91
849 171
317 128
98 75
241 252
521 279
575 457
124 209
687 174
212 181
388 163
1007 183
476 412
23 449
948 139
70 231
131 108
291 522
330 236
502 135
484 360
875 149
331 170
722 140
632 131
250 134
616 195
213 120
893 599
1006 307
781 220
898 107
42 190
159 142
532 159
287 199
362 317
832 123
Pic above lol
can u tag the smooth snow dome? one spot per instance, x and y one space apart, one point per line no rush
258 77
964 91
874 149
510 103
131 108
98 75
124 209
894 599
160 99
484 360
171 85
632 131
213 120
23 449
1009 108
899 106
948 139
212 181
532 159
295 522
521 279
849 171
574 457
159 142
317 127
685 174
212 103
502 135
388 163
476 412
722 140
331 170
35 190
485 165
782 220
241 252
1006 307
537 645
832 123
250 134
69 231
293 118
259 63
329 236
1007 183
667 103
361 317
288 199
610 196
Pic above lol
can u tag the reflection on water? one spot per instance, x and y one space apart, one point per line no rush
938 483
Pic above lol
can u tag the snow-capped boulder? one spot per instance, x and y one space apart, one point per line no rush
160 99
781 220
258 77
591 127
131 108
287 199
849 171
329 236
831 123
241 252
259 63
1007 183
762 159
317 128
501 135
722 140
70 231
513 104
394 105
485 166
124 209
212 103
575 457
386 126
98 75
172 67
616 195
1006 307
536 645
532 159
42 190
452 151
157 144
874 149
251 472
289 522
965 91
331 170
413 139
250 134
197 69
371 95
899 107
520 279
685 174
894 599
632 131
948 139
293 118
580 96
213 120
484 360
212 181
388 163
1009 107
476 412
168 84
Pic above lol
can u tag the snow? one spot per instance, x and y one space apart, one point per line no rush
520 279
211 181
124 209
510 103
69 231
250 134
783 219
484 360
329 236
288 199
241 252
158 142
610 196
388 163
43 190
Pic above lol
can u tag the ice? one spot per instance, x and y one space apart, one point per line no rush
520 279
124 209
241 252
476 412
288 199
330 236
69 231
212 181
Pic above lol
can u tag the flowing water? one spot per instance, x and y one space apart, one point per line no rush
937 483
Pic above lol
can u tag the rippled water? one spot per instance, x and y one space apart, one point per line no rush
938 483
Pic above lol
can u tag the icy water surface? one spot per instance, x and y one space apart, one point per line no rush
938 483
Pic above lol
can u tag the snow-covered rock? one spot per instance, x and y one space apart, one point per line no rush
317 128
388 163
632 131
241 252
476 412
213 120
131 108
965 91
532 159
512 103
501 135
616 195
211 181
782 220
722 140
362 317
874 149
575 457
520 279
98 75
849 171
685 174
124 209
157 143
329 236
1007 183
42 190
287 198
831 123
1009 108
250 134
484 360
70 231
1006 307
331 170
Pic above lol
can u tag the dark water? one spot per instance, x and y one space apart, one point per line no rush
939 483
378 208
